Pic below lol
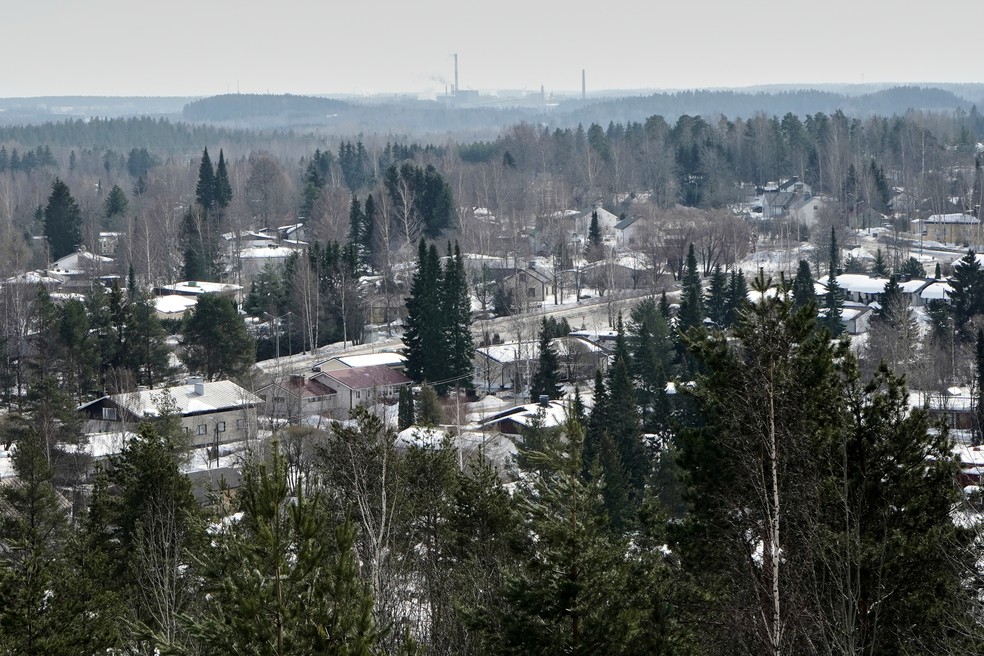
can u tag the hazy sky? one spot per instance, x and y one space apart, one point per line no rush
205 47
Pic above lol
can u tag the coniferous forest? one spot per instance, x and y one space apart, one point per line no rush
743 472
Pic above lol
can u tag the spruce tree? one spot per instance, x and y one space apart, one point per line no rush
652 361
114 209
804 293
457 346
405 414
717 298
205 189
967 297
546 380
835 254
62 222
880 266
692 295
423 335
222 195
834 306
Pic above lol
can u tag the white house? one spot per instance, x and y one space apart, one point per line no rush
210 412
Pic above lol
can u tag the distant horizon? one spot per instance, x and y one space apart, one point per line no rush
573 92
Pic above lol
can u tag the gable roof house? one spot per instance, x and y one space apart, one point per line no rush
210 412
502 366
299 397
627 230
357 386
514 420
530 286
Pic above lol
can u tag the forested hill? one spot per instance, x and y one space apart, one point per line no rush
734 104
411 116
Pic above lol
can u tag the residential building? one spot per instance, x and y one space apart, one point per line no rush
209 412
955 228
356 386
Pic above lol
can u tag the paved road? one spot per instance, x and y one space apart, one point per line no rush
591 313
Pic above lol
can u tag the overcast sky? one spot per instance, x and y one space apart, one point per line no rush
206 47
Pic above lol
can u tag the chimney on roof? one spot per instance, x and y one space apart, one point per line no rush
199 383
531 265
544 401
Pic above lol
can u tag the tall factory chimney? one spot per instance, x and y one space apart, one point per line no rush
584 85
455 74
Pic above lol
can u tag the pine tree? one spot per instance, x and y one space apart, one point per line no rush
32 526
282 580
546 380
62 222
888 527
205 189
571 590
215 339
692 296
762 407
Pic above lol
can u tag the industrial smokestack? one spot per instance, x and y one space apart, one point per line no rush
584 85
455 74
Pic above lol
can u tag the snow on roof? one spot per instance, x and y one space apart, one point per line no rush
970 456
217 395
553 414
914 285
419 436
34 278
957 217
174 303
936 291
860 283
358 378
266 252
387 358
201 287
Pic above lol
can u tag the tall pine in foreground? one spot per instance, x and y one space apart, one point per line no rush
575 587
282 580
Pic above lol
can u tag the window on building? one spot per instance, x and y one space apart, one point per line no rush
220 427
109 414
202 429
531 292
240 424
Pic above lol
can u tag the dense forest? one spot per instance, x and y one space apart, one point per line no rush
741 479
